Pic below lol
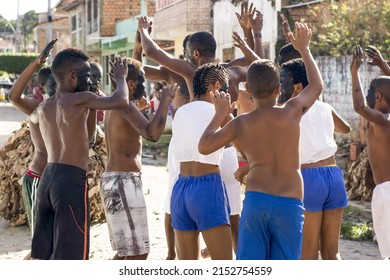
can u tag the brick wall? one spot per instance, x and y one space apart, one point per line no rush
118 10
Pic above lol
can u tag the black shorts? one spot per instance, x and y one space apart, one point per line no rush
62 218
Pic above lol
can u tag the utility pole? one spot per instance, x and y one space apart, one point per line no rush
17 33
49 31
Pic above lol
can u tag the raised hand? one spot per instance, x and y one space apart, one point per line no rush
142 103
46 52
286 26
118 68
246 50
357 58
256 22
222 103
170 91
375 55
301 39
144 23
244 18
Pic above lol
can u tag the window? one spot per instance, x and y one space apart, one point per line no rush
76 33
92 16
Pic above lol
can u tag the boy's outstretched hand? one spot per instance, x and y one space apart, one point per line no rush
222 103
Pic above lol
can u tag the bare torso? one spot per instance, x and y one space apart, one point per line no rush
273 158
39 160
63 126
378 143
124 144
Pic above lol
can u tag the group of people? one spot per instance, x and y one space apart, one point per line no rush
294 192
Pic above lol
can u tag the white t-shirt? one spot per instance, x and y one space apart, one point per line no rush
188 126
317 140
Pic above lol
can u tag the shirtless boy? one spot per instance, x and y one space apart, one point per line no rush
272 217
62 220
121 184
375 108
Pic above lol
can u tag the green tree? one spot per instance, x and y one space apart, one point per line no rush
342 24
29 20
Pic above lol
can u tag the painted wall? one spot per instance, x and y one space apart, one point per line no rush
225 21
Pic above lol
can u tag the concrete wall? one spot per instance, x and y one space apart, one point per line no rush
338 89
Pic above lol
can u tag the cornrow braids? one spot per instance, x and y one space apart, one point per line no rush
207 75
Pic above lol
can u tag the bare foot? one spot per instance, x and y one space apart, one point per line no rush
205 253
171 256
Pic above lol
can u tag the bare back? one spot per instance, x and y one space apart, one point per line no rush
63 125
124 143
274 156
39 160
378 143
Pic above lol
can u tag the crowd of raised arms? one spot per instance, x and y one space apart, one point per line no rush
275 138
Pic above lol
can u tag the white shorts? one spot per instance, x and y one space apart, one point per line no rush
229 165
173 175
381 217
124 205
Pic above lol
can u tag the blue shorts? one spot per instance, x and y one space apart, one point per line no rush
271 228
324 188
199 203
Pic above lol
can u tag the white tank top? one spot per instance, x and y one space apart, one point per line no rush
317 140
188 126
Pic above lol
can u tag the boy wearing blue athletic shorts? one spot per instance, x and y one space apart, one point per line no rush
272 217
324 189
375 108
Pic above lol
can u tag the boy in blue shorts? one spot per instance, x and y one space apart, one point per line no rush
324 189
272 217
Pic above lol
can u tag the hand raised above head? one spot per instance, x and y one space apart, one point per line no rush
46 51
301 39
286 26
245 15
144 23
256 22
357 58
375 55
118 68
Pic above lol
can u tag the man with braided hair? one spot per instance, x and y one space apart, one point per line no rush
199 200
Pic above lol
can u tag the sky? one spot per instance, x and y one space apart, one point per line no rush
9 8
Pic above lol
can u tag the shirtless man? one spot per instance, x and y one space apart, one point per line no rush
27 105
375 108
62 220
121 184
274 190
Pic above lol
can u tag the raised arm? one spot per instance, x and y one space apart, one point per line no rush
212 139
250 55
151 130
244 20
305 99
155 53
23 103
286 27
340 125
359 101
377 59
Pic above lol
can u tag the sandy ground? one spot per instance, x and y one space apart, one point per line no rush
15 241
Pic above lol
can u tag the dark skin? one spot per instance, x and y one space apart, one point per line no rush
124 131
376 59
378 134
70 108
27 105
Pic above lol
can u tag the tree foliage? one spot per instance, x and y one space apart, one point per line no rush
342 24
